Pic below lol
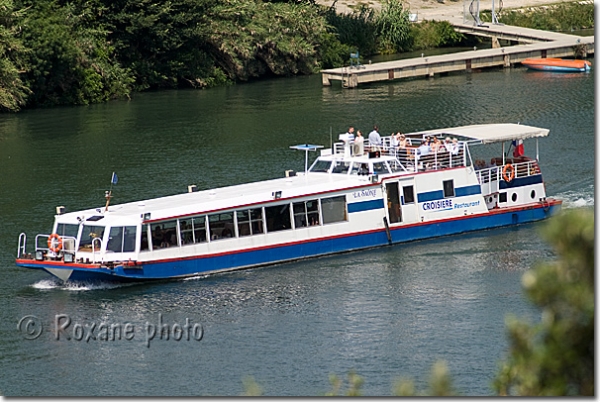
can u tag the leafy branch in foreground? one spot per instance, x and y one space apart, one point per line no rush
556 356
552 358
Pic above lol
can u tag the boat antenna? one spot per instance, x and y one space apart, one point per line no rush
108 194
330 137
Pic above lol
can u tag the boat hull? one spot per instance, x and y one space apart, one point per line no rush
251 258
557 65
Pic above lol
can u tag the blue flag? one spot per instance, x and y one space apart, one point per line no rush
114 179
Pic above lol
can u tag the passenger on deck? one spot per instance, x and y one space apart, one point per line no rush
424 148
364 170
455 146
394 143
446 146
404 142
359 144
375 139
435 145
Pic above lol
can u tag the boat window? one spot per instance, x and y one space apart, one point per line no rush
121 239
66 229
380 168
320 166
192 230
144 242
448 188
199 225
278 218
409 194
250 222
333 209
89 233
186 231
306 214
395 166
221 225
340 167
164 234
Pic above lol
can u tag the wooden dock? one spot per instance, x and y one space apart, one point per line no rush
525 43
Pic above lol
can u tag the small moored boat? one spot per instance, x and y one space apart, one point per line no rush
350 198
558 65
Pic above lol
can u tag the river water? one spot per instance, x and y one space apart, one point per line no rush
385 314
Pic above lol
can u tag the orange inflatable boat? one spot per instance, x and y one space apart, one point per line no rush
555 64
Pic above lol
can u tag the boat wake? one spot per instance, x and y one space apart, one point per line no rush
50 284
195 277
576 199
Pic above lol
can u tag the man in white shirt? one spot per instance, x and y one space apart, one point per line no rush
375 139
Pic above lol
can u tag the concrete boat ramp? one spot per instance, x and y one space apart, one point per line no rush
525 43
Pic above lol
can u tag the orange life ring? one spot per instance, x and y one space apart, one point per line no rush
55 242
508 176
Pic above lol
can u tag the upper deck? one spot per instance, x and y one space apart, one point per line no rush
336 169
420 151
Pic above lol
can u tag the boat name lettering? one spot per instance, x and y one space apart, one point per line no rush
440 204
466 204
365 193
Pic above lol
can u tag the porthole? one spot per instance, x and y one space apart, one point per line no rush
533 194
514 197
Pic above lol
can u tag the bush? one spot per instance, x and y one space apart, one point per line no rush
433 34
393 28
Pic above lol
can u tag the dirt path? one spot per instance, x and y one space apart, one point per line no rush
440 9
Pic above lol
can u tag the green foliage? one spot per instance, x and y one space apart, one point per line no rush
565 17
250 38
251 387
357 30
69 62
433 34
331 52
556 356
13 92
393 27
354 383
161 42
440 383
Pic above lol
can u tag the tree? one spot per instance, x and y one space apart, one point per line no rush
556 356
70 62
393 27
13 92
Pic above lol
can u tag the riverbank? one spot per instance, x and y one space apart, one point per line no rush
434 9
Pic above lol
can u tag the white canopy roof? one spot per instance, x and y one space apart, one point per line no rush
487 133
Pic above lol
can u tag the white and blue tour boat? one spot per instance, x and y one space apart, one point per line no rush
352 197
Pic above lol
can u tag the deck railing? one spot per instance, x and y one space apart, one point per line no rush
494 174
409 156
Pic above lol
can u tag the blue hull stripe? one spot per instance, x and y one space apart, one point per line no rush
430 196
521 181
365 205
252 258
458 192
468 190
